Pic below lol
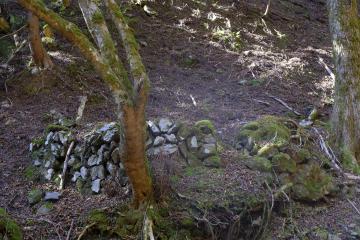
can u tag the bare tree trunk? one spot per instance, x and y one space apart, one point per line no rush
39 54
345 30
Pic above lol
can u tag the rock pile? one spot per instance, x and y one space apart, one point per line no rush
96 156
197 144
268 145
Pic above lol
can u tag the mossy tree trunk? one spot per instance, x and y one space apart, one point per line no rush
39 54
345 30
130 95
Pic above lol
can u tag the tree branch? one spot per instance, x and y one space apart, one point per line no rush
121 91
96 24
137 68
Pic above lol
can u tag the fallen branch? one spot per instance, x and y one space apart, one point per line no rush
62 177
267 8
83 232
69 232
284 104
263 102
328 151
353 205
81 108
148 228
332 75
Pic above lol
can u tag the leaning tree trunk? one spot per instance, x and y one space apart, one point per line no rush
345 29
39 54
130 96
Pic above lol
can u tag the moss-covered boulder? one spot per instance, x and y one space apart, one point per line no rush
311 183
8 227
264 131
267 146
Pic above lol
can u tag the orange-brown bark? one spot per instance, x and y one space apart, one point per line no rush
135 159
39 54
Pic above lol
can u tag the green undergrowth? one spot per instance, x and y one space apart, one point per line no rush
9 229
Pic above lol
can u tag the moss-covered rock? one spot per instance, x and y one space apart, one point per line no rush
205 126
34 196
259 163
311 183
213 161
268 129
8 227
283 163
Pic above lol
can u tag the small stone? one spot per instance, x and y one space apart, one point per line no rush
306 123
92 161
193 143
165 149
158 141
83 172
72 160
76 176
174 129
110 135
170 138
115 156
97 172
44 209
207 150
56 149
107 127
34 196
148 143
165 124
209 139
111 168
155 131
63 137
95 185
36 163
49 174
52 196
31 147
49 138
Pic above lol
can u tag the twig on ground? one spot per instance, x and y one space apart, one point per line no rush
193 100
83 232
22 44
148 227
12 33
328 151
332 75
69 232
353 205
284 104
263 102
267 8
63 174
81 108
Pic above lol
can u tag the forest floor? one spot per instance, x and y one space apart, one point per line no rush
188 54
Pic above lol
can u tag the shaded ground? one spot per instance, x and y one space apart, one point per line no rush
188 53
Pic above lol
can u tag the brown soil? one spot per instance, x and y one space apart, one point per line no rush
183 60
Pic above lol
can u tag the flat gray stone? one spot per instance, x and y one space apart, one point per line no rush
158 141
207 150
92 161
95 185
209 139
110 135
49 138
174 129
83 172
171 138
193 143
49 174
97 172
111 168
44 209
76 176
36 163
115 155
165 124
155 131
165 149
52 196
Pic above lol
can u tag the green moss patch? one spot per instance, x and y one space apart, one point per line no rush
8 227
